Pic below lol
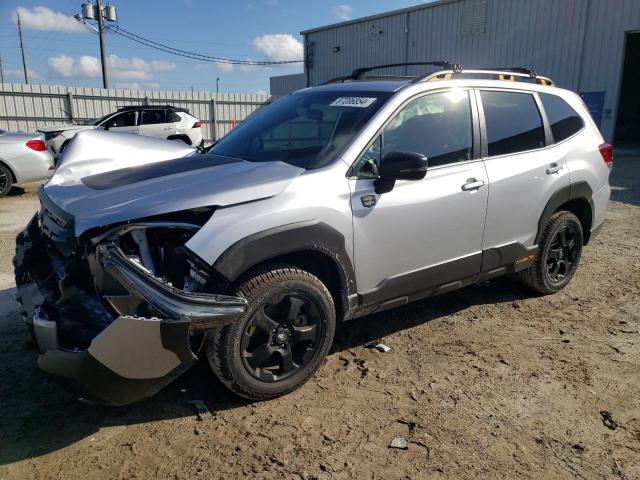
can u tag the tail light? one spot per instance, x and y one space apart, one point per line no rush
606 150
197 125
37 145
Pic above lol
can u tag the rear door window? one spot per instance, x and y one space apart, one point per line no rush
150 117
513 122
563 119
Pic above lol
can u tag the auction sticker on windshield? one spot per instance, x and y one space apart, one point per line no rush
360 102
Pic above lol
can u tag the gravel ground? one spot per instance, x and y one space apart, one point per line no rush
490 381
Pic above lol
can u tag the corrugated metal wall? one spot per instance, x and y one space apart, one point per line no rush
283 84
578 43
27 107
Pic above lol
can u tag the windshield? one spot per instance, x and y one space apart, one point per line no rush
306 129
94 121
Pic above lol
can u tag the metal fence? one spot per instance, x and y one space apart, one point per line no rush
28 107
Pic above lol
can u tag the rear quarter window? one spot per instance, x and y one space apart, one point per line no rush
563 119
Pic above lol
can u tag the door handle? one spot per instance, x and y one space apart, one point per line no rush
553 168
472 184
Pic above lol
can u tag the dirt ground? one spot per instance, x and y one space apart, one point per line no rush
486 382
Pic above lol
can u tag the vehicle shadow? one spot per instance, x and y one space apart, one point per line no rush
39 417
625 179
16 191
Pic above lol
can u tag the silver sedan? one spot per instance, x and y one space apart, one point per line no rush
24 158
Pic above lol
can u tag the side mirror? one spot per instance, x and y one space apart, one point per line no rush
400 166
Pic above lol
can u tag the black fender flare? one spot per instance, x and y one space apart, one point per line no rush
286 239
180 136
574 191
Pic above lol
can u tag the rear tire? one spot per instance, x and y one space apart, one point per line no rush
558 255
278 343
6 180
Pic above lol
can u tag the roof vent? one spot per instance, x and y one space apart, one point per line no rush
474 15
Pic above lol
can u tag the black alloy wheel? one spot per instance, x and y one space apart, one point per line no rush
558 254
562 254
278 343
281 337
6 180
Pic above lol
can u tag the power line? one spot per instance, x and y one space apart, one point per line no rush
193 55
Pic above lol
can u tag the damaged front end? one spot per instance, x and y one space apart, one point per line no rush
121 311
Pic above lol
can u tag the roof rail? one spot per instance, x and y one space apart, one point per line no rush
358 72
514 74
152 107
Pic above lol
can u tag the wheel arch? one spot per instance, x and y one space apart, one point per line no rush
575 198
311 245
14 179
185 138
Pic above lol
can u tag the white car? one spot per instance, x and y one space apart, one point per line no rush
154 121
23 158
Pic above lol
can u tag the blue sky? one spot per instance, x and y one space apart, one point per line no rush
60 51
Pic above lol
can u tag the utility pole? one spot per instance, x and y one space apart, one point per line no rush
89 12
217 85
1 73
105 80
24 60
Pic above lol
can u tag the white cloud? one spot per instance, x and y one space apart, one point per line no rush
261 92
247 68
137 86
128 85
17 74
43 18
225 67
279 47
162 66
343 12
65 66
119 68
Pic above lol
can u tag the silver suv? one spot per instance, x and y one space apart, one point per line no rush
332 203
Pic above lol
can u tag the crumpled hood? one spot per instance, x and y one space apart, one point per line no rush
169 186
97 151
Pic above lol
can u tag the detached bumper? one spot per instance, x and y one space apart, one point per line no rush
130 358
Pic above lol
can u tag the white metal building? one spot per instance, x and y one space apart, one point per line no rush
589 46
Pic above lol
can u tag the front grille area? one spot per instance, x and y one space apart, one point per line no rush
61 286
56 225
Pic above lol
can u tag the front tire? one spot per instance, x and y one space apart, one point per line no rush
6 180
278 343
558 254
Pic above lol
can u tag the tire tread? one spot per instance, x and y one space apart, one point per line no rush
532 277
216 348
